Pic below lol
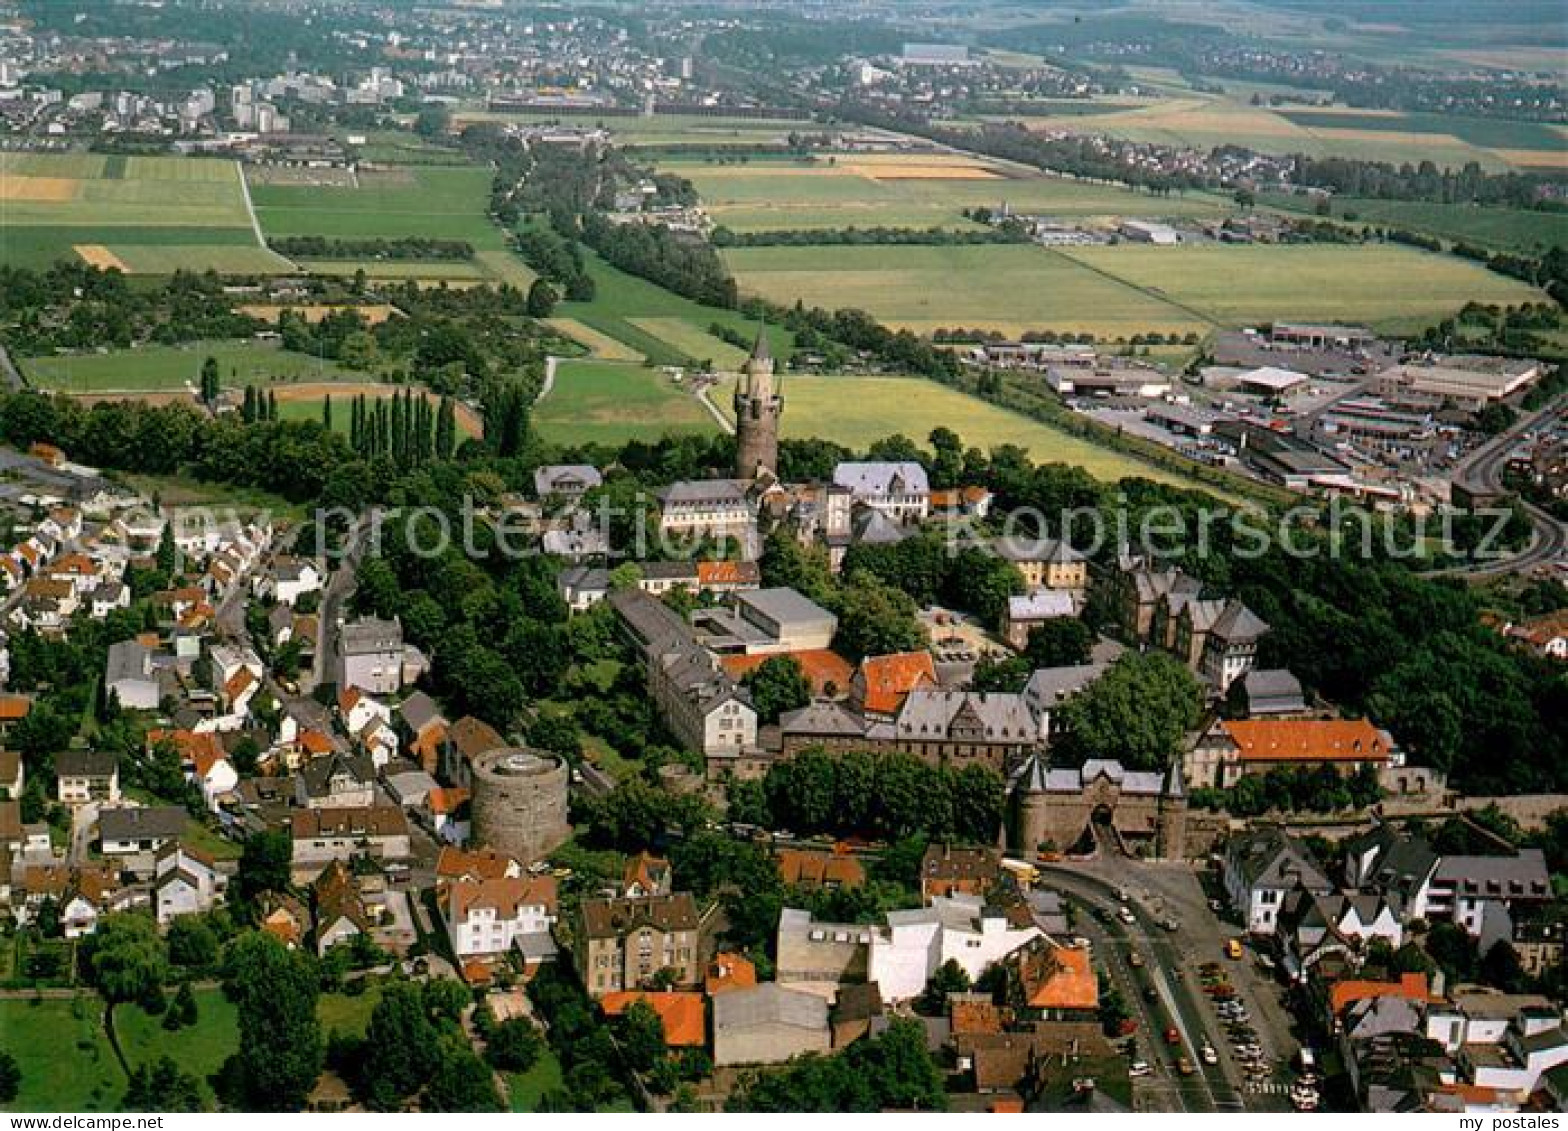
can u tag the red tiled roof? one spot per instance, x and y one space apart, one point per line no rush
728 573
481 864
684 1013
1308 740
1409 986
823 667
315 742
1056 977
447 800
14 707
888 679
729 971
814 869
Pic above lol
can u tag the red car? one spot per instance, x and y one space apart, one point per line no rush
1172 1037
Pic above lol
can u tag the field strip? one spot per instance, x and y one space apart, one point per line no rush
1147 292
599 344
96 255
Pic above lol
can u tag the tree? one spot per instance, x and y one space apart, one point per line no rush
461 1082
211 383
126 958
433 122
401 1049
161 1086
275 990
874 619
642 1036
265 864
514 1045
778 684
182 1012
542 298
1137 713
1502 969
948 978
1059 643
192 942
11 1078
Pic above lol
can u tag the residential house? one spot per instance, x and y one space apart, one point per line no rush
897 489
768 1024
645 875
881 683
289 579
340 912
87 775
1054 982
1023 614
717 509
682 1013
1049 688
139 830
621 943
284 917
370 656
336 781
565 482
446 809
946 871
1045 563
12 775
1261 869
422 729
186 881
323 835
466 740
813 870
131 675
486 918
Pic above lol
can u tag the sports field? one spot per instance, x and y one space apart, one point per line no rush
429 201
144 215
906 191
1391 288
1005 287
147 369
857 411
600 402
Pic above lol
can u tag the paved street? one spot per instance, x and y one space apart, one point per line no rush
1171 962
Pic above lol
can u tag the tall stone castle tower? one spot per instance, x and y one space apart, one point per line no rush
758 406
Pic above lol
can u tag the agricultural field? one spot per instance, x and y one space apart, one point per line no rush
1389 287
907 191
429 201
857 411
621 300
599 345
144 215
598 402
1513 229
1005 287
1202 120
693 342
152 369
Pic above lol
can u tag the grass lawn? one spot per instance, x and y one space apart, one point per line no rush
200 1049
528 1088
855 411
1392 288
1010 288
934 190
199 836
620 297
64 1055
186 491
609 403
345 1013
178 368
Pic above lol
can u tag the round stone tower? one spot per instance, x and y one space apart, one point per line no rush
758 406
519 803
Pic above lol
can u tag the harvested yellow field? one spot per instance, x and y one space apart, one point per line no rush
1385 137
1535 158
922 172
38 190
374 313
599 344
96 255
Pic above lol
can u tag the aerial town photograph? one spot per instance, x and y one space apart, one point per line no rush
728 556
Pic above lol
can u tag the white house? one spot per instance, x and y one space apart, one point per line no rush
914 944
186 882
486 918
288 580
1261 869
899 489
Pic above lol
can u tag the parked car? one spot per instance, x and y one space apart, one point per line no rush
1139 1068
